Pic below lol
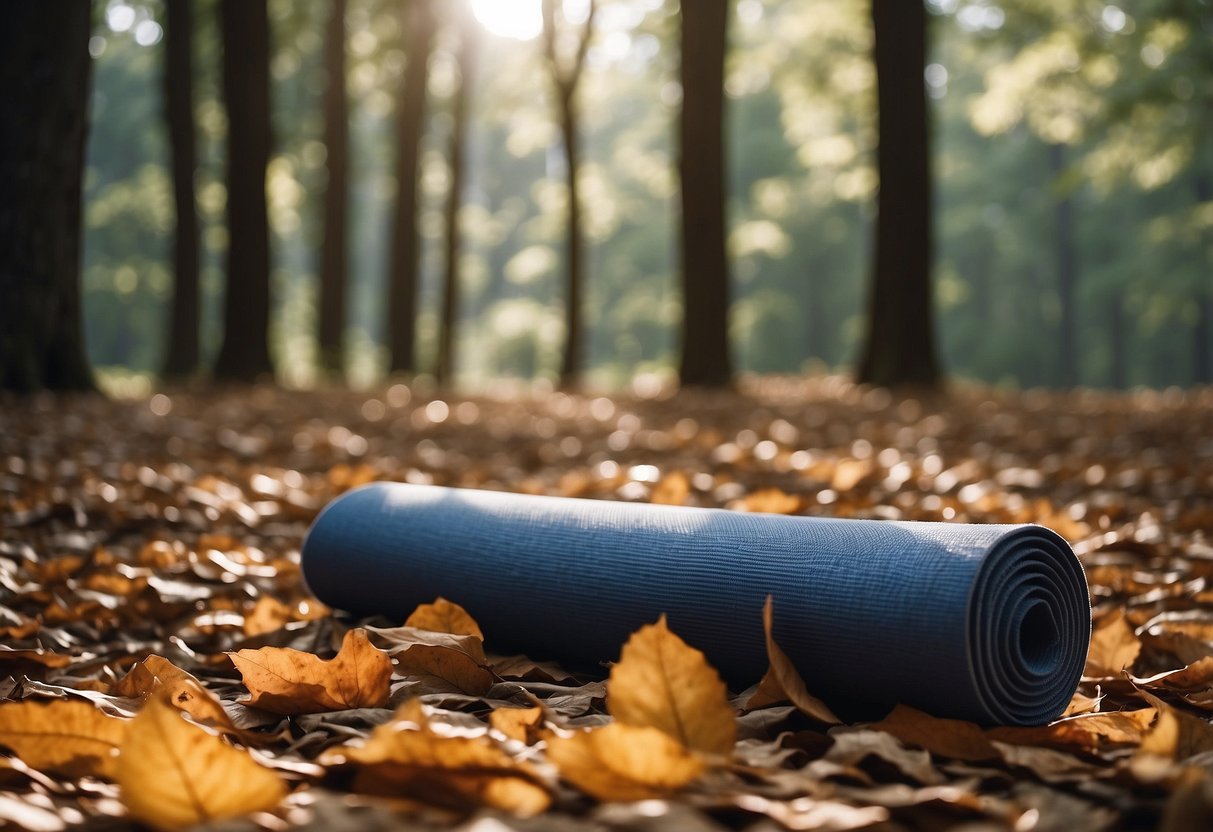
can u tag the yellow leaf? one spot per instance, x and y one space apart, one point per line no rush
672 490
1175 734
65 736
174 774
407 757
782 682
1114 646
624 762
520 724
287 681
444 616
662 682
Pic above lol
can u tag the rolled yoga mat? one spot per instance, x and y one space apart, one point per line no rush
987 623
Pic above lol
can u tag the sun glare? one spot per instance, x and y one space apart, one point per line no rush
518 19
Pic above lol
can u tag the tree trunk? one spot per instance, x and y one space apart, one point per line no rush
333 263
705 269
1067 271
899 347
45 76
571 363
245 355
183 356
448 334
405 259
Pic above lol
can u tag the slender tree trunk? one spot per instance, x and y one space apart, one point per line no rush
183 356
1067 272
899 347
405 259
1116 334
244 355
1202 334
43 131
705 268
333 253
448 334
572 361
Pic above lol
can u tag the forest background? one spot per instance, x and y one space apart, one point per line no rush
1072 173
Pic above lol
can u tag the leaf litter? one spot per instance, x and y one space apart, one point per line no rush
162 660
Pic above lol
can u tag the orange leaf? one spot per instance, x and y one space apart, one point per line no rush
624 762
662 682
446 665
946 737
287 681
444 616
782 682
175 774
407 757
66 736
1114 646
520 724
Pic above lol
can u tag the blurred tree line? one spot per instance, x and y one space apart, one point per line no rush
1069 166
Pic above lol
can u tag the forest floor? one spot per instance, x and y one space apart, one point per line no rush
143 541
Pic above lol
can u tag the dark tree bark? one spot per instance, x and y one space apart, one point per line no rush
331 302
1202 333
449 326
899 347
1067 271
705 268
45 77
405 259
245 355
182 357
566 75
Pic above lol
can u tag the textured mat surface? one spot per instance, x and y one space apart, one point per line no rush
988 623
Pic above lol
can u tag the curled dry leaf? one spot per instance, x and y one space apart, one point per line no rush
522 724
1089 732
946 737
174 774
444 616
184 691
624 762
782 682
64 736
662 682
1175 735
287 681
1114 647
407 757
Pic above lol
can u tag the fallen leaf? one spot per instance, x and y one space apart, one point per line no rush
65 736
1196 676
407 757
769 501
444 616
782 682
1175 735
174 774
37 655
522 724
1114 647
146 676
624 762
447 666
946 737
1087 731
287 681
662 682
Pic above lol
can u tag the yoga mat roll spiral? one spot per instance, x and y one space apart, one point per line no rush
988 623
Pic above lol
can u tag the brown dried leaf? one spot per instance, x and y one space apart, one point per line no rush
287 681
447 666
624 762
782 682
174 774
946 737
407 757
444 616
672 490
184 692
1176 735
769 501
1114 646
1087 731
65 736
662 682
522 724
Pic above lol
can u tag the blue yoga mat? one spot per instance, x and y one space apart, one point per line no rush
982 622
